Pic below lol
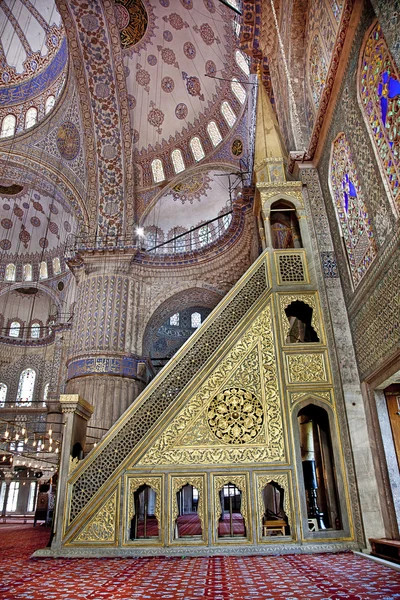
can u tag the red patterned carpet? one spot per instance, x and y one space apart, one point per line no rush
295 577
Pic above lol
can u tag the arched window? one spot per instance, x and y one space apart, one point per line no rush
35 331
15 329
285 230
188 505
10 272
197 149
204 235
158 170
3 394
49 104
177 160
228 113
238 90
242 62
214 133
25 387
8 126
43 270
379 93
174 319
56 266
45 393
195 320
27 272
226 220
145 520
351 210
30 117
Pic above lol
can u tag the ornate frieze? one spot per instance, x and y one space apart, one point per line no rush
306 368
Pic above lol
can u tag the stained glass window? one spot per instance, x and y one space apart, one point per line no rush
15 329
197 148
27 272
3 394
214 133
35 331
379 88
30 117
10 272
242 62
351 210
174 320
195 320
43 270
318 70
56 266
226 219
204 235
228 113
177 161
238 90
49 104
8 126
25 387
158 170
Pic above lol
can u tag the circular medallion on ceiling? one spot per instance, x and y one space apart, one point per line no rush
181 111
132 21
6 223
235 416
5 244
68 142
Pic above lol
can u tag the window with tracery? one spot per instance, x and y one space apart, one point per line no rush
49 104
10 272
214 133
31 117
8 126
56 266
177 160
25 387
204 235
195 320
197 149
226 220
43 273
15 329
3 394
318 70
35 331
238 90
157 170
379 93
242 62
174 319
228 113
27 272
351 210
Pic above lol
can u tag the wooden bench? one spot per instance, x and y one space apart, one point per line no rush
276 526
385 548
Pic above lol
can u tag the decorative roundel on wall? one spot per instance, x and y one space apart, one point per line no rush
68 142
53 227
189 50
35 221
6 206
135 136
164 3
67 226
152 60
167 35
132 21
211 68
43 243
167 84
235 416
53 209
5 244
237 147
181 111
209 4
6 223
187 4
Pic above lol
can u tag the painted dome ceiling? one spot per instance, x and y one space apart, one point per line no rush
33 56
179 61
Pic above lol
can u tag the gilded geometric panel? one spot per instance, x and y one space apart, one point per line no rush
299 396
306 368
102 527
235 415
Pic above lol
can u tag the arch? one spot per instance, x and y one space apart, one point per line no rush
378 94
222 490
35 330
56 266
185 501
26 387
214 133
3 394
280 511
43 271
351 211
8 126
49 105
10 273
177 160
195 320
300 317
137 486
228 113
157 170
285 229
14 329
27 272
197 148
242 62
238 90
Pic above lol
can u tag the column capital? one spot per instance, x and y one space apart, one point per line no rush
73 403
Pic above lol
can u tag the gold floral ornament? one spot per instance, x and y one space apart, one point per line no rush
235 416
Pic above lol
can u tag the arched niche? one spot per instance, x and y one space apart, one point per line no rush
321 477
231 516
188 508
284 224
144 509
274 505
300 321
